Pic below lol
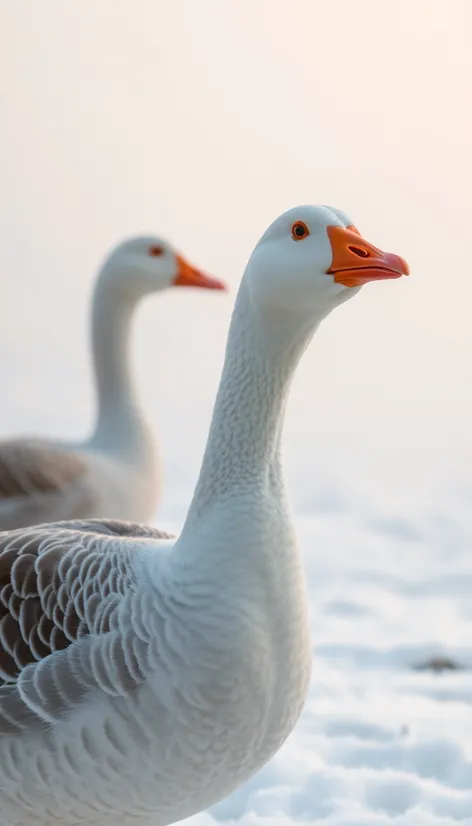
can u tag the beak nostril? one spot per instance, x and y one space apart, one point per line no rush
360 251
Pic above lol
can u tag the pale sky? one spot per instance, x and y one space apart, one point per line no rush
202 120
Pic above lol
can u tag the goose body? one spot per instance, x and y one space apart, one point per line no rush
145 678
115 472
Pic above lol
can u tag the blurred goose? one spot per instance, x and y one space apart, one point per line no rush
144 678
114 473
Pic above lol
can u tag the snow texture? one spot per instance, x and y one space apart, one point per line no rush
381 741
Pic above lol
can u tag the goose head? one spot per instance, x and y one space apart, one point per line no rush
313 258
148 264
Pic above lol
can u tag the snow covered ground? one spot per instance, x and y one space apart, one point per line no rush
379 742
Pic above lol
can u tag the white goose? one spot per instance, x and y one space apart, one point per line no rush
145 678
114 473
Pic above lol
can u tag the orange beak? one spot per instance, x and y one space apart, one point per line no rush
355 262
189 276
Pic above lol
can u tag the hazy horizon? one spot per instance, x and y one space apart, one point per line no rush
202 124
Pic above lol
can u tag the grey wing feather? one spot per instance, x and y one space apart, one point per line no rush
41 481
31 467
67 592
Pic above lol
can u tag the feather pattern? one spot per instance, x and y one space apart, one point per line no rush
28 467
63 584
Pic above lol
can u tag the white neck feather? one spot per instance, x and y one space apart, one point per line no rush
243 447
120 424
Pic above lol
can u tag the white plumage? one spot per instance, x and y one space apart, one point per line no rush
146 678
115 472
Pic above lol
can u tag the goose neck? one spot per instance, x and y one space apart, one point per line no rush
243 448
118 413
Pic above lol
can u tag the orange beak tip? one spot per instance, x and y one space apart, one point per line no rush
209 282
200 279
216 284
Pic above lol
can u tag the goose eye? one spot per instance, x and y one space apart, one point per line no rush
299 231
155 251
